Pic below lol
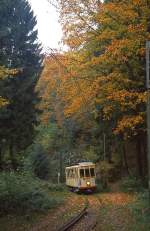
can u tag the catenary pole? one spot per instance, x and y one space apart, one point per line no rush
148 109
104 143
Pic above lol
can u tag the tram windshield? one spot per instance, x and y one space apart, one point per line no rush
87 172
81 172
92 172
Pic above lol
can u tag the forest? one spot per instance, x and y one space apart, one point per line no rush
59 108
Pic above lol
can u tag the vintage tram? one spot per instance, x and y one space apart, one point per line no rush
81 177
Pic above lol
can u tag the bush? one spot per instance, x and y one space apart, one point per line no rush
56 187
131 184
53 187
38 162
141 212
104 169
21 193
101 188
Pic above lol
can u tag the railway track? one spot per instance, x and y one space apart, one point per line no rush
75 219
86 220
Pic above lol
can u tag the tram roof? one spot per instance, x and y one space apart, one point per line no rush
82 164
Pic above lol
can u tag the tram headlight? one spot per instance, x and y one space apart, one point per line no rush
88 183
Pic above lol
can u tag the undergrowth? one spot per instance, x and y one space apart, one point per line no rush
21 193
140 210
132 184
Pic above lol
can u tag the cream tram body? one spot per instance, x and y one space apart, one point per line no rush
81 177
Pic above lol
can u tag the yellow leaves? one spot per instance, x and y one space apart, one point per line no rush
122 39
49 87
127 99
129 123
122 12
138 2
127 38
120 101
137 28
75 106
121 50
78 97
108 112
3 102
104 67
4 72
107 35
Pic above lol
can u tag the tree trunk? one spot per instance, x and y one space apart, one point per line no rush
144 151
1 164
12 158
125 159
139 158
61 167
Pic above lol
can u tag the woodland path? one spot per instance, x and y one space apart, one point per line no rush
112 212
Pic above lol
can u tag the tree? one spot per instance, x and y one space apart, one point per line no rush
3 74
19 49
65 138
110 64
78 20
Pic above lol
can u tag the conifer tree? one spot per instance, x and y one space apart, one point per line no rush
19 49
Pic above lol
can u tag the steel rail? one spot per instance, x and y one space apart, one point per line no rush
75 219
94 224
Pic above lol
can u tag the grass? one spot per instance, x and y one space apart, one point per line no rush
122 211
16 222
25 201
140 211
119 211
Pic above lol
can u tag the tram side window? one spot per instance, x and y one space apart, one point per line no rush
71 173
76 173
68 172
92 172
81 172
87 172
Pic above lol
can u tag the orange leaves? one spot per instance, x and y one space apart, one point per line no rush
123 30
49 87
108 112
3 102
63 92
120 91
122 12
139 2
77 18
127 99
77 97
74 107
4 73
105 65
129 124
120 51
137 28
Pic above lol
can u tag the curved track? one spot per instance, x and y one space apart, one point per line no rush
88 214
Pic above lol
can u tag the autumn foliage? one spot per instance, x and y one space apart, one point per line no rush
108 60
97 87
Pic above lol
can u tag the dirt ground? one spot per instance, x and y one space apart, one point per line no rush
110 211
